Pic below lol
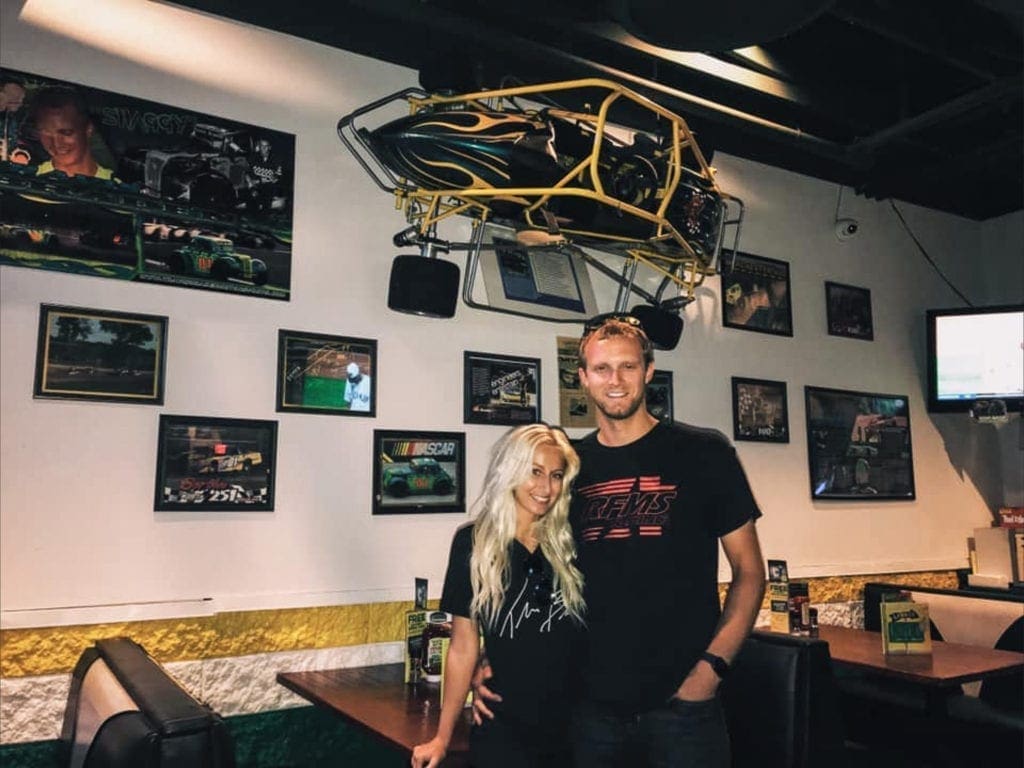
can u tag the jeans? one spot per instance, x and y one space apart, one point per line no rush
682 734
500 744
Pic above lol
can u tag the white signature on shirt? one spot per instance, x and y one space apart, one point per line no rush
520 610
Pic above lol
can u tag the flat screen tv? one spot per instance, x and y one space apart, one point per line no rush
975 353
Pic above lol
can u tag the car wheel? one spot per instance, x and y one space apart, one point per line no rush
259 272
222 269
442 487
398 489
176 263
246 466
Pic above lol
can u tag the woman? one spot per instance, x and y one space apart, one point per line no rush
511 574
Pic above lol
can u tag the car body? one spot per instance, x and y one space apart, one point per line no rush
421 475
577 176
234 461
209 255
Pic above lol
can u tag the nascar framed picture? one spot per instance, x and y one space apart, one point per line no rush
215 465
500 389
418 472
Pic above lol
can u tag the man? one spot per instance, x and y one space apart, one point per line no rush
357 388
65 130
650 506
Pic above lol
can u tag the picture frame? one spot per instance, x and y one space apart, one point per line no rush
859 445
500 389
659 397
760 410
100 355
418 472
326 374
756 294
848 309
205 204
213 464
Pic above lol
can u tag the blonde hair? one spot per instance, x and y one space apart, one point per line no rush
495 526
610 328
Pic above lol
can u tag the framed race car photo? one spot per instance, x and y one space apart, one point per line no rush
317 373
417 472
215 465
500 389
95 354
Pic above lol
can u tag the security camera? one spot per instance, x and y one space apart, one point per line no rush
847 228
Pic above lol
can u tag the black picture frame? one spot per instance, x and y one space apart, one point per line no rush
314 374
409 464
660 400
198 201
500 389
859 445
213 464
101 355
756 294
760 410
848 309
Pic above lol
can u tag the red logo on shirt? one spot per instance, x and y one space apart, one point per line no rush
626 507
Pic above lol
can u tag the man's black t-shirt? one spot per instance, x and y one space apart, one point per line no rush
529 648
647 517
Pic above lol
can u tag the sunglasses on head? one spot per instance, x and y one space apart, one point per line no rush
598 320
539 579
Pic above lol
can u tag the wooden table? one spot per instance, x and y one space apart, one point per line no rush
947 665
377 701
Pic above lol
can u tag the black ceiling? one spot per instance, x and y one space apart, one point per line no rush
917 100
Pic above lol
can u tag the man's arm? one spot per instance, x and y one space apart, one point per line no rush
742 602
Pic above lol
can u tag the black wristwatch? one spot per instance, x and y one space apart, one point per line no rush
720 665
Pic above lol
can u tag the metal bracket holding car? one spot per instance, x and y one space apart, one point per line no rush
554 196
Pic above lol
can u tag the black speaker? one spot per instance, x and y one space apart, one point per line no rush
663 328
422 285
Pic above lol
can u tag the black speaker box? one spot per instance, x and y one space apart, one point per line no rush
422 285
662 328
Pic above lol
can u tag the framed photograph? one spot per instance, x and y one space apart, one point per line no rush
574 407
500 389
416 472
659 396
849 311
317 373
858 445
213 464
94 354
157 193
755 294
760 410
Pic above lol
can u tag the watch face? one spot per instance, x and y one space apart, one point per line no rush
717 663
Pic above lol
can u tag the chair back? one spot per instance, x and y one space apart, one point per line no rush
782 705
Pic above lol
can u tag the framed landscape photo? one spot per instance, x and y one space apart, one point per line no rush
500 389
213 464
858 445
318 373
659 396
755 294
95 354
849 311
417 472
760 410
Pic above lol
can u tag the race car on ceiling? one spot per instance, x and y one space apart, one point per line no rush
579 179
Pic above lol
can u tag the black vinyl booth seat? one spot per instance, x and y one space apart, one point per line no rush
782 705
125 711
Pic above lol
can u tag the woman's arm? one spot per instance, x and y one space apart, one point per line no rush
460 663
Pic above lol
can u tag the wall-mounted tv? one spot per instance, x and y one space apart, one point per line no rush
975 353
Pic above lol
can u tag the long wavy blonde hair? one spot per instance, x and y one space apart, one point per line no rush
495 526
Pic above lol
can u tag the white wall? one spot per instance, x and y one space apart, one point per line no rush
76 520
